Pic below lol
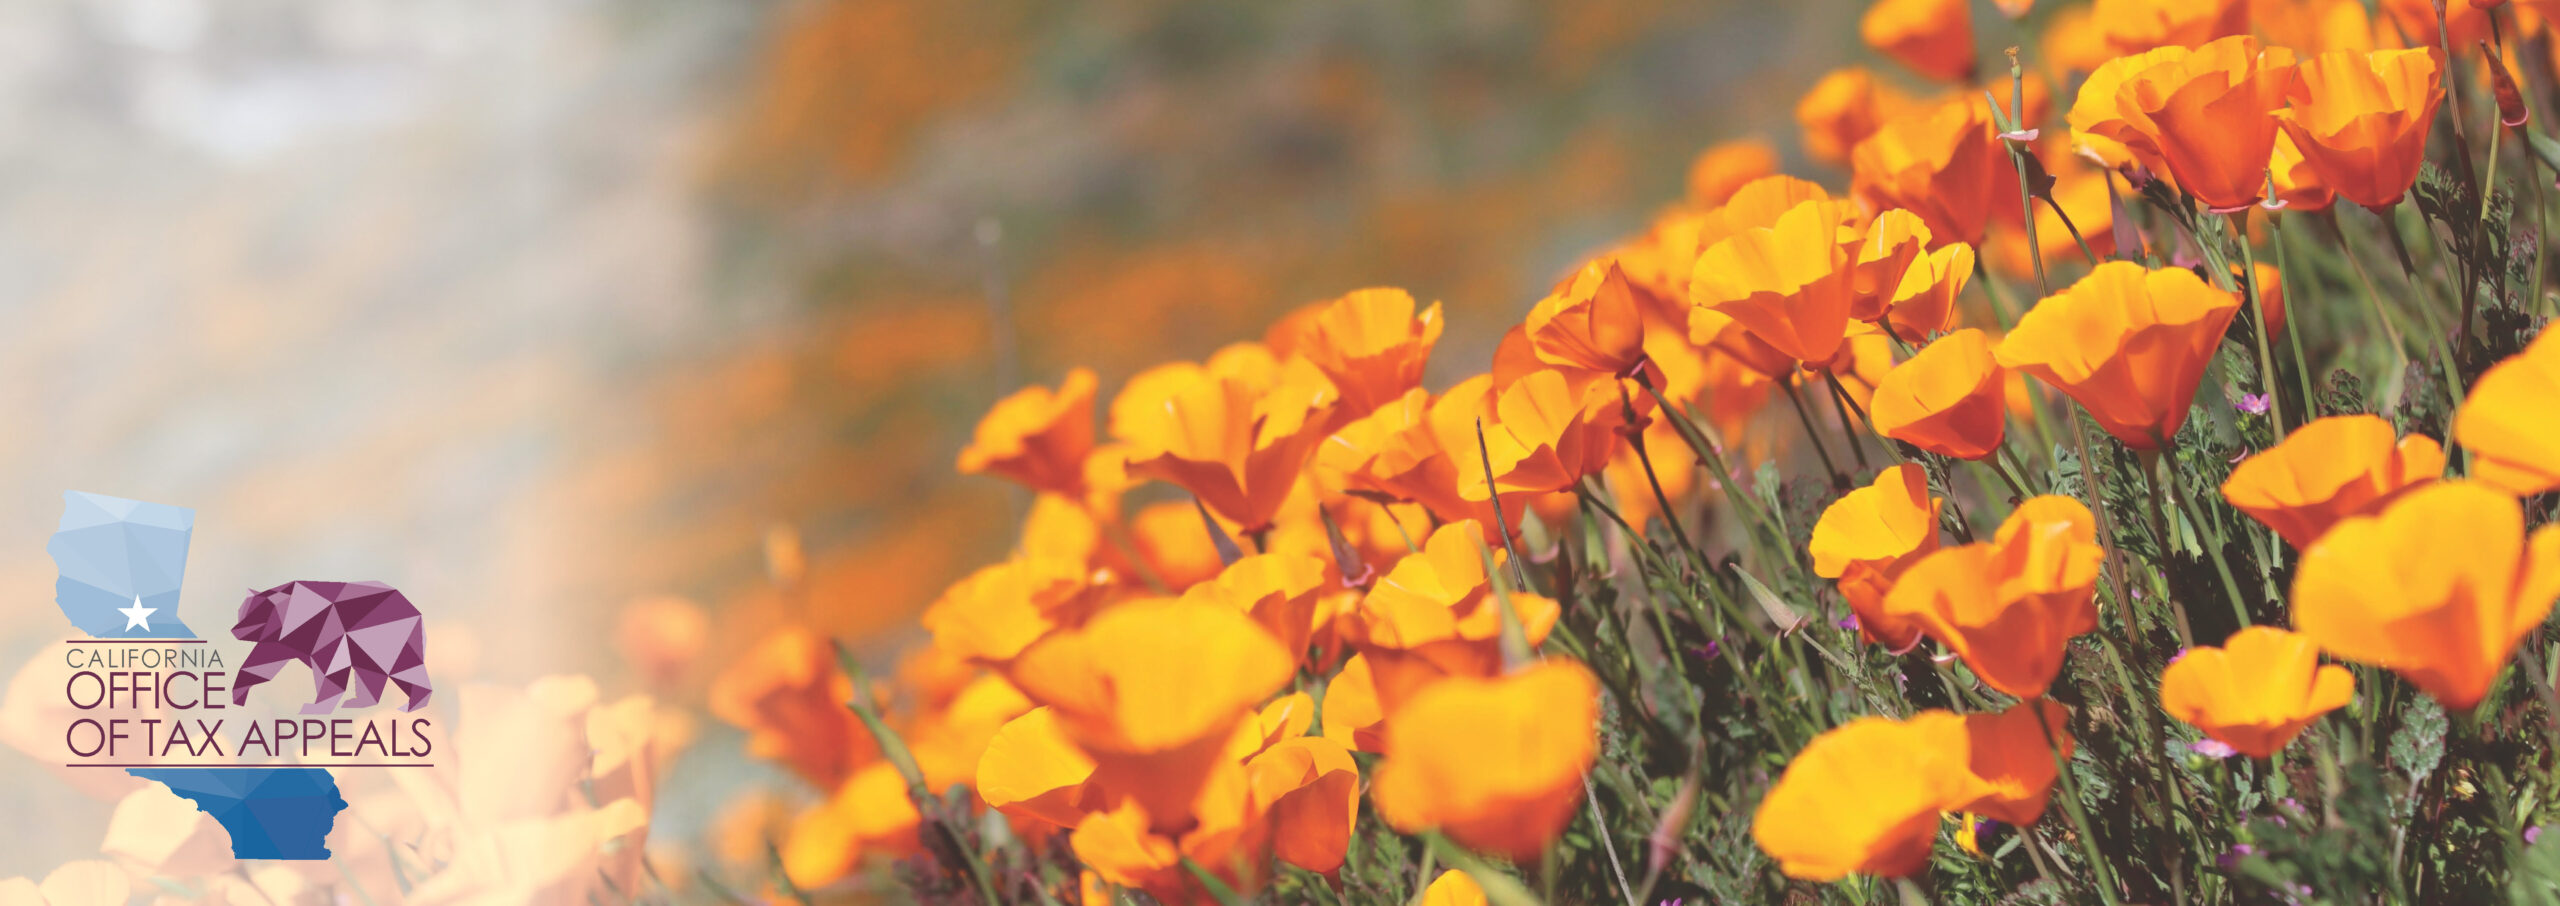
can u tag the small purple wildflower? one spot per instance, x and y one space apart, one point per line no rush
2212 748
2231 859
1849 622
2532 833
2252 403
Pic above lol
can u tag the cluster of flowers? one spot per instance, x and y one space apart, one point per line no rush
1178 690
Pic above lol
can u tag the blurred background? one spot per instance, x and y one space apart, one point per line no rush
551 312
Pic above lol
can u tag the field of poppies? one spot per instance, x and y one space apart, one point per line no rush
2121 471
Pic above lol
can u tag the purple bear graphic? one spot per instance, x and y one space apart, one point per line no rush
363 634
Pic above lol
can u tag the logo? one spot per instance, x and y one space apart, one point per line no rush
166 705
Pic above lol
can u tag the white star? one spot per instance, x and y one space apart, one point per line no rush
137 616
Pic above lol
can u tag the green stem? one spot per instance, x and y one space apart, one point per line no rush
2100 875
2239 223
1849 428
2000 303
1670 514
2167 542
2372 297
1700 444
2213 539
2293 338
2001 466
1493 495
1838 480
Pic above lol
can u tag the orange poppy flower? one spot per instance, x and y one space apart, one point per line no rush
1790 284
1940 163
1925 303
1894 241
1496 764
1728 166
1285 717
1760 203
2360 120
2206 117
1307 791
1863 798
1868 537
2007 769
991 615
1037 437
1153 690
1169 538
1373 345
2134 26
1434 615
1129 846
2010 606
2438 587
1060 529
2096 117
1353 716
948 739
870 814
1031 770
2129 344
1293 333
2328 470
1590 321
789 696
1401 453
1933 37
1279 591
1657 263
1948 399
1235 443
1841 110
2297 185
1453 888
2506 422
1545 432
2256 691
1155 674
1723 338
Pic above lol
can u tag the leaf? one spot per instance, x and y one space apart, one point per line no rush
2537 873
2418 746
1786 617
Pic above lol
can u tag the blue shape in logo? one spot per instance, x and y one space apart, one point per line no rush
271 813
121 562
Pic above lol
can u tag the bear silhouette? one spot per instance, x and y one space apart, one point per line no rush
358 635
